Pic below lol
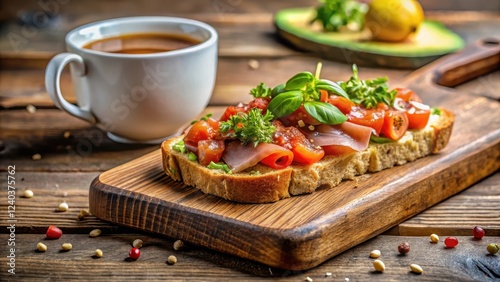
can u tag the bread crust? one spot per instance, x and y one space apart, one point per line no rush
271 185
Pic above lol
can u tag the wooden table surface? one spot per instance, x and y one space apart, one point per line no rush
72 154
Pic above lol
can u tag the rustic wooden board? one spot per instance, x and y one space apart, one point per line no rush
304 231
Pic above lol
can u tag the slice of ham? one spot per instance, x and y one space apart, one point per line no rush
240 157
346 134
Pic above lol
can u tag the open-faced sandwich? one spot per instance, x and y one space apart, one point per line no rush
304 134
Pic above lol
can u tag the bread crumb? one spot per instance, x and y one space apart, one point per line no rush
36 157
178 245
301 123
67 134
171 260
311 127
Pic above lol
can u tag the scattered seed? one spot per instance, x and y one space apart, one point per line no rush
450 242
56 185
95 233
134 253
311 127
65 194
63 207
85 212
66 246
478 232
28 194
309 279
328 274
31 109
404 248
98 253
137 243
67 134
347 279
41 247
379 265
415 268
375 254
80 216
253 64
493 248
434 238
171 259
36 157
178 245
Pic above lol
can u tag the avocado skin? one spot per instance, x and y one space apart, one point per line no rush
355 48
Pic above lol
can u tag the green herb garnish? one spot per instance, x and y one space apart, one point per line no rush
304 88
334 14
180 147
222 166
436 111
192 157
380 140
368 92
205 117
261 91
251 127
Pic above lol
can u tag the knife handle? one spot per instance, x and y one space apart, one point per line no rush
479 58
475 60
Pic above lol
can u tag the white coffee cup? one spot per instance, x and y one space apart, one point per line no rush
137 98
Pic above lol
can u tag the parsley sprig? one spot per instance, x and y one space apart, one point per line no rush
334 14
252 127
304 89
368 92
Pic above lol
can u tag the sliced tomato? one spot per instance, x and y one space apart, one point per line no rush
337 150
395 124
278 160
323 96
202 130
373 118
232 110
343 104
259 103
407 95
305 153
299 115
418 114
210 151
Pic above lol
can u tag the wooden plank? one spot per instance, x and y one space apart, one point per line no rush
467 262
477 205
241 34
50 189
235 78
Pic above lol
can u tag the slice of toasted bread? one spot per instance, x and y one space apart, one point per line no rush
269 185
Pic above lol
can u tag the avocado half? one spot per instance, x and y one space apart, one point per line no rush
430 42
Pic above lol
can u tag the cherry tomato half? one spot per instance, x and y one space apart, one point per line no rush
337 150
395 124
373 118
418 113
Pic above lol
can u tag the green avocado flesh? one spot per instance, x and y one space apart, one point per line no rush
432 38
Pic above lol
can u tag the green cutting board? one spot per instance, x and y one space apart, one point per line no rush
432 41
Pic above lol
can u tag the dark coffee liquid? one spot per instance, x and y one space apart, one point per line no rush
142 43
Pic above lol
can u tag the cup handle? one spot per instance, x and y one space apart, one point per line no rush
53 85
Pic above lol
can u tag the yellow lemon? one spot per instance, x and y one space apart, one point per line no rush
393 20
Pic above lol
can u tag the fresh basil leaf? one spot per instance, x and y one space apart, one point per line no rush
324 112
298 81
380 140
285 103
278 90
332 87
436 111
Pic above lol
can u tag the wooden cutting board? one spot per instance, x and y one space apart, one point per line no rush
432 41
303 231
